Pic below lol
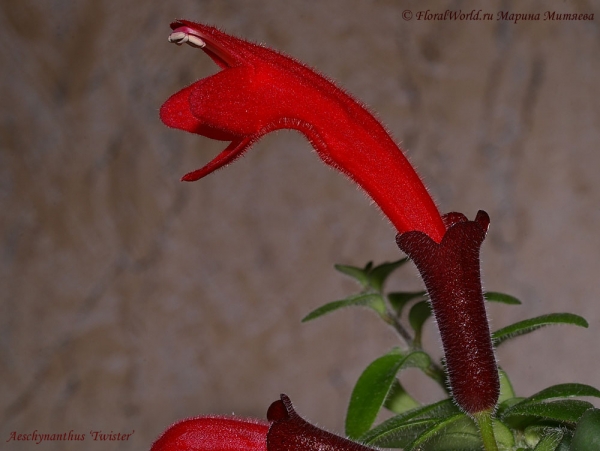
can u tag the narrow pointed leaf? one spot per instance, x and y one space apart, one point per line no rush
398 399
371 300
587 434
463 435
563 391
358 274
454 441
494 296
401 430
507 404
403 434
529 325
399 299
379 274
455 424
373 386
564 411
417 316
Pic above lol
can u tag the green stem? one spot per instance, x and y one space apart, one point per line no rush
434 371
404 334
484 422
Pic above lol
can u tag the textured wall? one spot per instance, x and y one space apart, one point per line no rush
129 299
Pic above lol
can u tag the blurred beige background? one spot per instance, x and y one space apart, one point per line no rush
129 300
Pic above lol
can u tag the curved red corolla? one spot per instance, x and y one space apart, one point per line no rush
260 90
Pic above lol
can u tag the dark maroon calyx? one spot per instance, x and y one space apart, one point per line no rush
290 432
452 276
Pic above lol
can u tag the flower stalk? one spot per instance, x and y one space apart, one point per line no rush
486 429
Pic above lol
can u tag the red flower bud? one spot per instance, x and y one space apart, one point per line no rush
287 432
260 90
451 273
214 433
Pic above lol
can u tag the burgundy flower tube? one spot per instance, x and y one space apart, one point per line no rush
290 432
451 272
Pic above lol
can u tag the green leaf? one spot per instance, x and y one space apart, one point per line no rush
564 411
587 433
454 441
507 408
401 430
507 404
457 429
506 388
494 296
565 445
563 391
417 316
398 400
379 274
550 440
402 435
503 435
533 434
358 274
529 325
546 437
371 300
373 386
399 299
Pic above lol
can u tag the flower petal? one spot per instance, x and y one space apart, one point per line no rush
176 113
214 433
231 153
260 90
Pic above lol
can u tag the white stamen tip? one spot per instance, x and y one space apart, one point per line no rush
195 41
178 37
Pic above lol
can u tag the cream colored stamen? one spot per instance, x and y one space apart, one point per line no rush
179 37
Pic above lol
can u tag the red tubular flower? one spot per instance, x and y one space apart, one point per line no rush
260 90
287 432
